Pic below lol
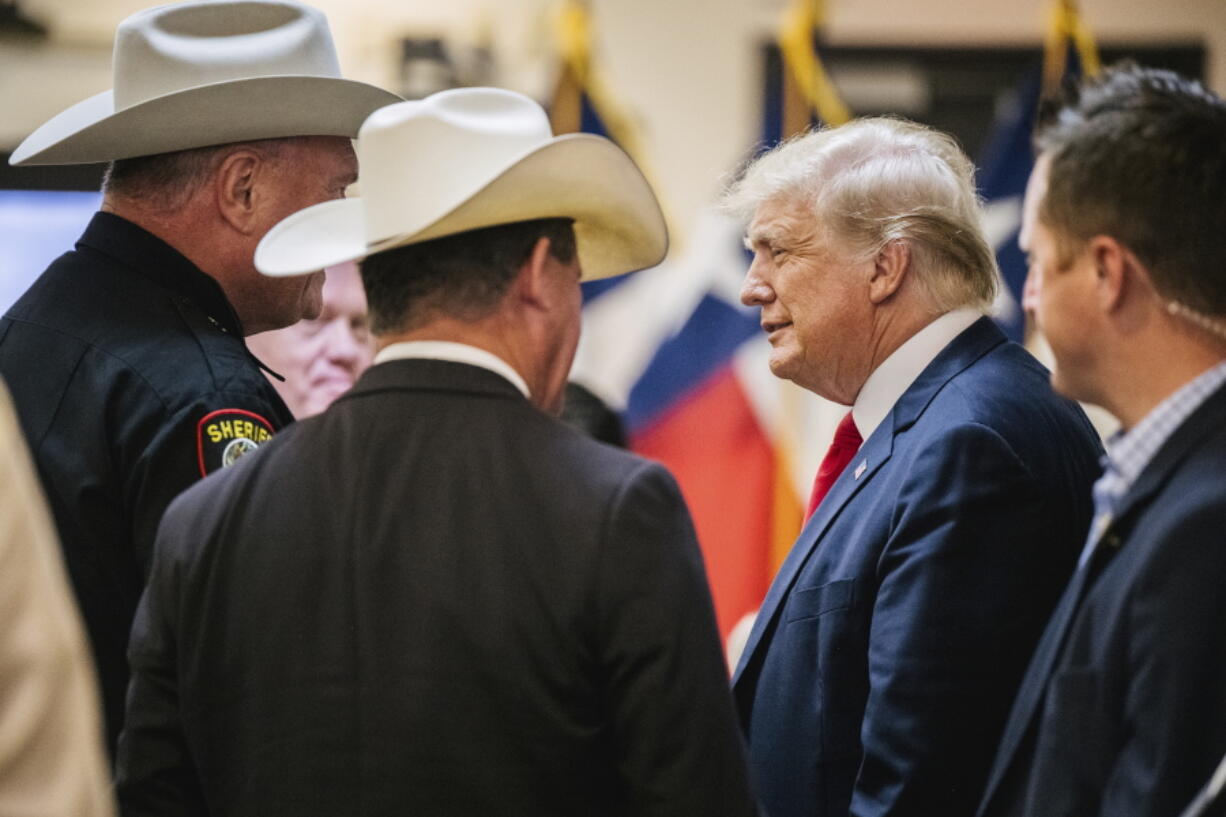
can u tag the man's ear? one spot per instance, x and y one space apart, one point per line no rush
531 282
889 269
1118 274
235 189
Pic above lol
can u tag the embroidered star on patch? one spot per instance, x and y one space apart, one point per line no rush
223 436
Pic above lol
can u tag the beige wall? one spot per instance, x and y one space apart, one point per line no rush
687 69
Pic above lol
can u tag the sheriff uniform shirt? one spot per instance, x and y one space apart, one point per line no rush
132 380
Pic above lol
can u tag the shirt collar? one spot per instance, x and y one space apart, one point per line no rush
153 259
897 372
455 353
1128 452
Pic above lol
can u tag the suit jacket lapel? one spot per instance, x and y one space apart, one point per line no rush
872 455
1209 417
977 340
964 350
1041 664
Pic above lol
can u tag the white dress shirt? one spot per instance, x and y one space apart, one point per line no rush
455 353
897 372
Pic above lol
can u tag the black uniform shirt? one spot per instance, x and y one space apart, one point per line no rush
131 379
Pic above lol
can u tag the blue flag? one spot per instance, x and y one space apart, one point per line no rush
1004 167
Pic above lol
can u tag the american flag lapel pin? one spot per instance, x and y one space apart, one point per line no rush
860 469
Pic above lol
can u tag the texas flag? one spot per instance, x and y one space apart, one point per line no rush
673 349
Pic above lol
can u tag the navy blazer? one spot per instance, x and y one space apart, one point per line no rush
879 673
1123 710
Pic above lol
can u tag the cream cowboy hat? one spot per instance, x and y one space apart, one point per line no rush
470 158
210 72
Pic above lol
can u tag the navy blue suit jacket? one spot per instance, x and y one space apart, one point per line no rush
1123 710
879 674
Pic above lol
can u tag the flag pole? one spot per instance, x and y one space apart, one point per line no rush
1066 27
579 77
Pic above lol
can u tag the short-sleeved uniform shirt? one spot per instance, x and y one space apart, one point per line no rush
132 380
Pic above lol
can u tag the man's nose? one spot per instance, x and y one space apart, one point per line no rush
343 344
754 291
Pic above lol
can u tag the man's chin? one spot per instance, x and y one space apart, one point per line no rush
782 366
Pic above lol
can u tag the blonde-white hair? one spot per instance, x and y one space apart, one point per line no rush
878 180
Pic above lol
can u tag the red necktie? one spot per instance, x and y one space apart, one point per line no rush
843 447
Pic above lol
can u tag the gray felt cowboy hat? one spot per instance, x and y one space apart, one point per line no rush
210 72
469 158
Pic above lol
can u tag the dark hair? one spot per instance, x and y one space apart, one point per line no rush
1140 155
165 181
462 275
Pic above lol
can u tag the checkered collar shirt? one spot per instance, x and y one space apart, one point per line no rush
1129 452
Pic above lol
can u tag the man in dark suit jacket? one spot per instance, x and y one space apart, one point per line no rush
1123 709
436 598
879 671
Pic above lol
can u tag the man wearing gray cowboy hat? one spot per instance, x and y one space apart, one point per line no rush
126 357
435 598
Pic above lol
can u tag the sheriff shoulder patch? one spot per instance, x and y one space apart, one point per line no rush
225 435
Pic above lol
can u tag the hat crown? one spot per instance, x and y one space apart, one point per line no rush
441 150
472 158
167 49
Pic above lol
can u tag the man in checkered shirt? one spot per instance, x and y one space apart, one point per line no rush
1123 709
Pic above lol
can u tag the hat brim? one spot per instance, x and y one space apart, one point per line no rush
619 227
216 114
